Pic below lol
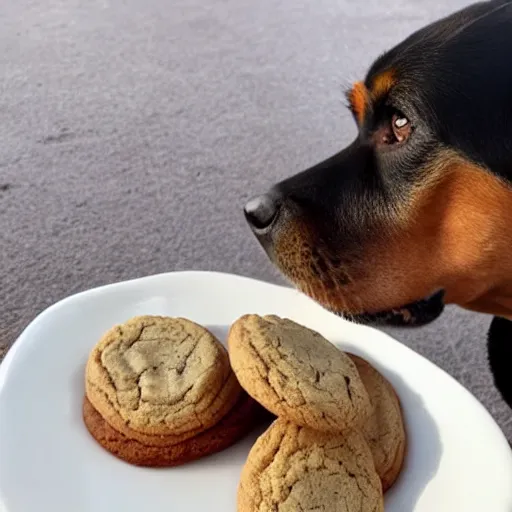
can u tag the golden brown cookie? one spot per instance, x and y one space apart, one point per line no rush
384 430
293 468
297 374
160 379
245 415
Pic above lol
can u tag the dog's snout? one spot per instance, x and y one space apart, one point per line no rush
261 211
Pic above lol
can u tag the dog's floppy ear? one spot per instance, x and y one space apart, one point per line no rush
499 347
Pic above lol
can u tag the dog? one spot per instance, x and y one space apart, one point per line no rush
417 211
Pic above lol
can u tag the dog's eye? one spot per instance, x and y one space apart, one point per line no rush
395 129
401 127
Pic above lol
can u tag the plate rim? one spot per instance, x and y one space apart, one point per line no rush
201 274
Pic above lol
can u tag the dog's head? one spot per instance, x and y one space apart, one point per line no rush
419 206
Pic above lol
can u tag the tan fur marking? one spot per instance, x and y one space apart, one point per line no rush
359 98
454 233
382 84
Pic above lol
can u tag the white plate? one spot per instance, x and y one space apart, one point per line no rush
458 458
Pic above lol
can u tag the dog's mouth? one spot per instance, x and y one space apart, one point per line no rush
414 314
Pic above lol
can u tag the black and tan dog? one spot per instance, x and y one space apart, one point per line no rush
417 211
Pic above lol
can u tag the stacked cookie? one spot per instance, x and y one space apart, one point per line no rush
160 391
339 441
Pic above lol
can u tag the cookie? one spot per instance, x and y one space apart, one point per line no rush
293 468
244 416
297 374
384 430
160 380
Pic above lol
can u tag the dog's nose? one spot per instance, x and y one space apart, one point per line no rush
261 211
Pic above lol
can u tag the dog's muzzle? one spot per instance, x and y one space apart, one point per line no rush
262 214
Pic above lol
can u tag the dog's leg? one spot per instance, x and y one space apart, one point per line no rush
499 347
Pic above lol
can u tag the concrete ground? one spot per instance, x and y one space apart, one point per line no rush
132 132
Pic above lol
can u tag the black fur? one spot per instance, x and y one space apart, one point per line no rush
411 315
458 78
499 346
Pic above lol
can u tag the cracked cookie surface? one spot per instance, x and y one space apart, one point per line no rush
296 469
243 417
297 374
384 430
160 379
